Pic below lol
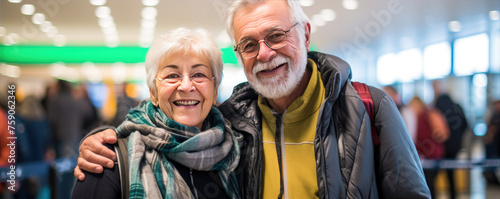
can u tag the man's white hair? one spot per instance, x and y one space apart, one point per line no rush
297 15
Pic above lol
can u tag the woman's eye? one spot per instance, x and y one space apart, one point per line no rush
173 76
198 75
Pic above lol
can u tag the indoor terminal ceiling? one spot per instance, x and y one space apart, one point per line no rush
373 24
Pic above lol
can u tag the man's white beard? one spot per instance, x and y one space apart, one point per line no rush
282 84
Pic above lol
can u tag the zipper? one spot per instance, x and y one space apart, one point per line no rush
192 183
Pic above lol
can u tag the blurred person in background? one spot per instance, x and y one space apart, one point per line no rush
123 104
432 131
457 123
89 112
179 144
492 142
407 112
36 145
66 123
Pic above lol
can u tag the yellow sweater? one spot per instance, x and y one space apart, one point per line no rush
298 130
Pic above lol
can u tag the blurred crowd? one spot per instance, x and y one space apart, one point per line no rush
439 130
50 128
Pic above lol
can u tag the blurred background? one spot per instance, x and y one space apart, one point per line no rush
79 64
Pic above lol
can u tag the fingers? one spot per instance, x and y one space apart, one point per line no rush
87 166
93 148
96 154
78 173
109 136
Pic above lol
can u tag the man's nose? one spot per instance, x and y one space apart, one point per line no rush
265 53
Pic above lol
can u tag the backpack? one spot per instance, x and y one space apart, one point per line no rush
122 159
366 97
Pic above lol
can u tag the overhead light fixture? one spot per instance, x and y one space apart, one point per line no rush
102 12
150 2
494 15
15 1
28 9
10 70
97 2
38 18
60 40
318 20
350 4
306 3
455 26
328 14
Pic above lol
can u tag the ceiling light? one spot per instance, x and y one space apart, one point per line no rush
350 4
102 12
38 18
328 14
52 32
318 20
149 12
15 1
45 26
150 2
14 38
97 2
10 70
494 15
148 23
60 40
306 3
28 9
106 22
455 26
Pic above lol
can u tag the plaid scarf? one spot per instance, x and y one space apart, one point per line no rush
155 140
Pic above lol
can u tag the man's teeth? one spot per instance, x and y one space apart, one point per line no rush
187 103
272 68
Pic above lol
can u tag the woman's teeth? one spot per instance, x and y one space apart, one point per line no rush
186 103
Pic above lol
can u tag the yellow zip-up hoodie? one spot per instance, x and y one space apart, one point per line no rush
297 142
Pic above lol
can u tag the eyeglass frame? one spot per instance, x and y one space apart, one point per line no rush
182 77
265 41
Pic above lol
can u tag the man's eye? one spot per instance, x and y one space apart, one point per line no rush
276 37
249 47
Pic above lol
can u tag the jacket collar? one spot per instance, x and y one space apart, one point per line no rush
334 72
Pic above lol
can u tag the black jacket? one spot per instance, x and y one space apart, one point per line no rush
347 163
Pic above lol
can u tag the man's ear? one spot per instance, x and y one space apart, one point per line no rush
307 32
153 95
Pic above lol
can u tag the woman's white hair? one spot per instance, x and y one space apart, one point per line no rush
197 42
297 16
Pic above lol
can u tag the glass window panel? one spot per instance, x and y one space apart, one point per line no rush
437 60
386 69
471 55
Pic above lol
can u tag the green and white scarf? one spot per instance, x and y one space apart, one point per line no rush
154 138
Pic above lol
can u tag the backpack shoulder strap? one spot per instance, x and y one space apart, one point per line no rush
366 97
122 159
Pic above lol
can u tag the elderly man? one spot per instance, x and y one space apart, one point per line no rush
306 131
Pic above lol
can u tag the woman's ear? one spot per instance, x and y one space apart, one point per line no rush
153 96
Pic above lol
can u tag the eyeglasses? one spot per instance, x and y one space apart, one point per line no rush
175 78
274 40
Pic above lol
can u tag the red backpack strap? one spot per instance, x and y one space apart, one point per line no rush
366 97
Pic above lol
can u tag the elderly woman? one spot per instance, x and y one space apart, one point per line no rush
179 145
